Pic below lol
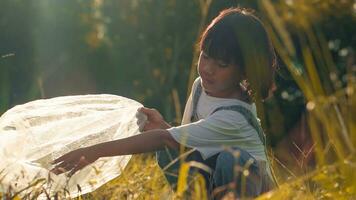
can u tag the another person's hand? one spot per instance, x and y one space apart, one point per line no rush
154 119
74 161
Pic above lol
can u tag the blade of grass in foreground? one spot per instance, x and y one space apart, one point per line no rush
329 106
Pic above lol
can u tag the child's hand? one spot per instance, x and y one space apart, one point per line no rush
154 119
74 161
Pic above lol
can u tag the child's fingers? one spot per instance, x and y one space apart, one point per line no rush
61 168
144 110
70 156
57 171
148 111
61 165
81 164
60 159
68 165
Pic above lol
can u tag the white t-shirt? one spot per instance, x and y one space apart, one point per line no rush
212 133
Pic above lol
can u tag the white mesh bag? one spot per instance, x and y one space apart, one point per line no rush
35 133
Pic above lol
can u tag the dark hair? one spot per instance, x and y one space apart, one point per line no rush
237 36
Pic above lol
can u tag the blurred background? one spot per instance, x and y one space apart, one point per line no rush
146 50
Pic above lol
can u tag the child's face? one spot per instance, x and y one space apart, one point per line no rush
218 78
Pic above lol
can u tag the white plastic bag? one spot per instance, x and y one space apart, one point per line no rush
34 134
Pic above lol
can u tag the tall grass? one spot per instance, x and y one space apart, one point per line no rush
330 106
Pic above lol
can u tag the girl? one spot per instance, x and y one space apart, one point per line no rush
236 69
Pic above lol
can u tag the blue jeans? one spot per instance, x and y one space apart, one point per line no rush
232 171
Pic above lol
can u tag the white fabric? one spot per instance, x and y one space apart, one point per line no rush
33 134
213 132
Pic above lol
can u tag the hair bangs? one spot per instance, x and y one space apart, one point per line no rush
219 43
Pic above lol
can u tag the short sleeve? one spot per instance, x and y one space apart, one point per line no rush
221 128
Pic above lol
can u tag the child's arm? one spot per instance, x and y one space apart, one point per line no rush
147 142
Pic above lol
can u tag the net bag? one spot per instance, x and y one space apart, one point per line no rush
35 133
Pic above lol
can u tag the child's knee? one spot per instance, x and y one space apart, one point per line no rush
224 169
229 169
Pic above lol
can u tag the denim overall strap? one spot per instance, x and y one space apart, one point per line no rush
196 97
251 119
